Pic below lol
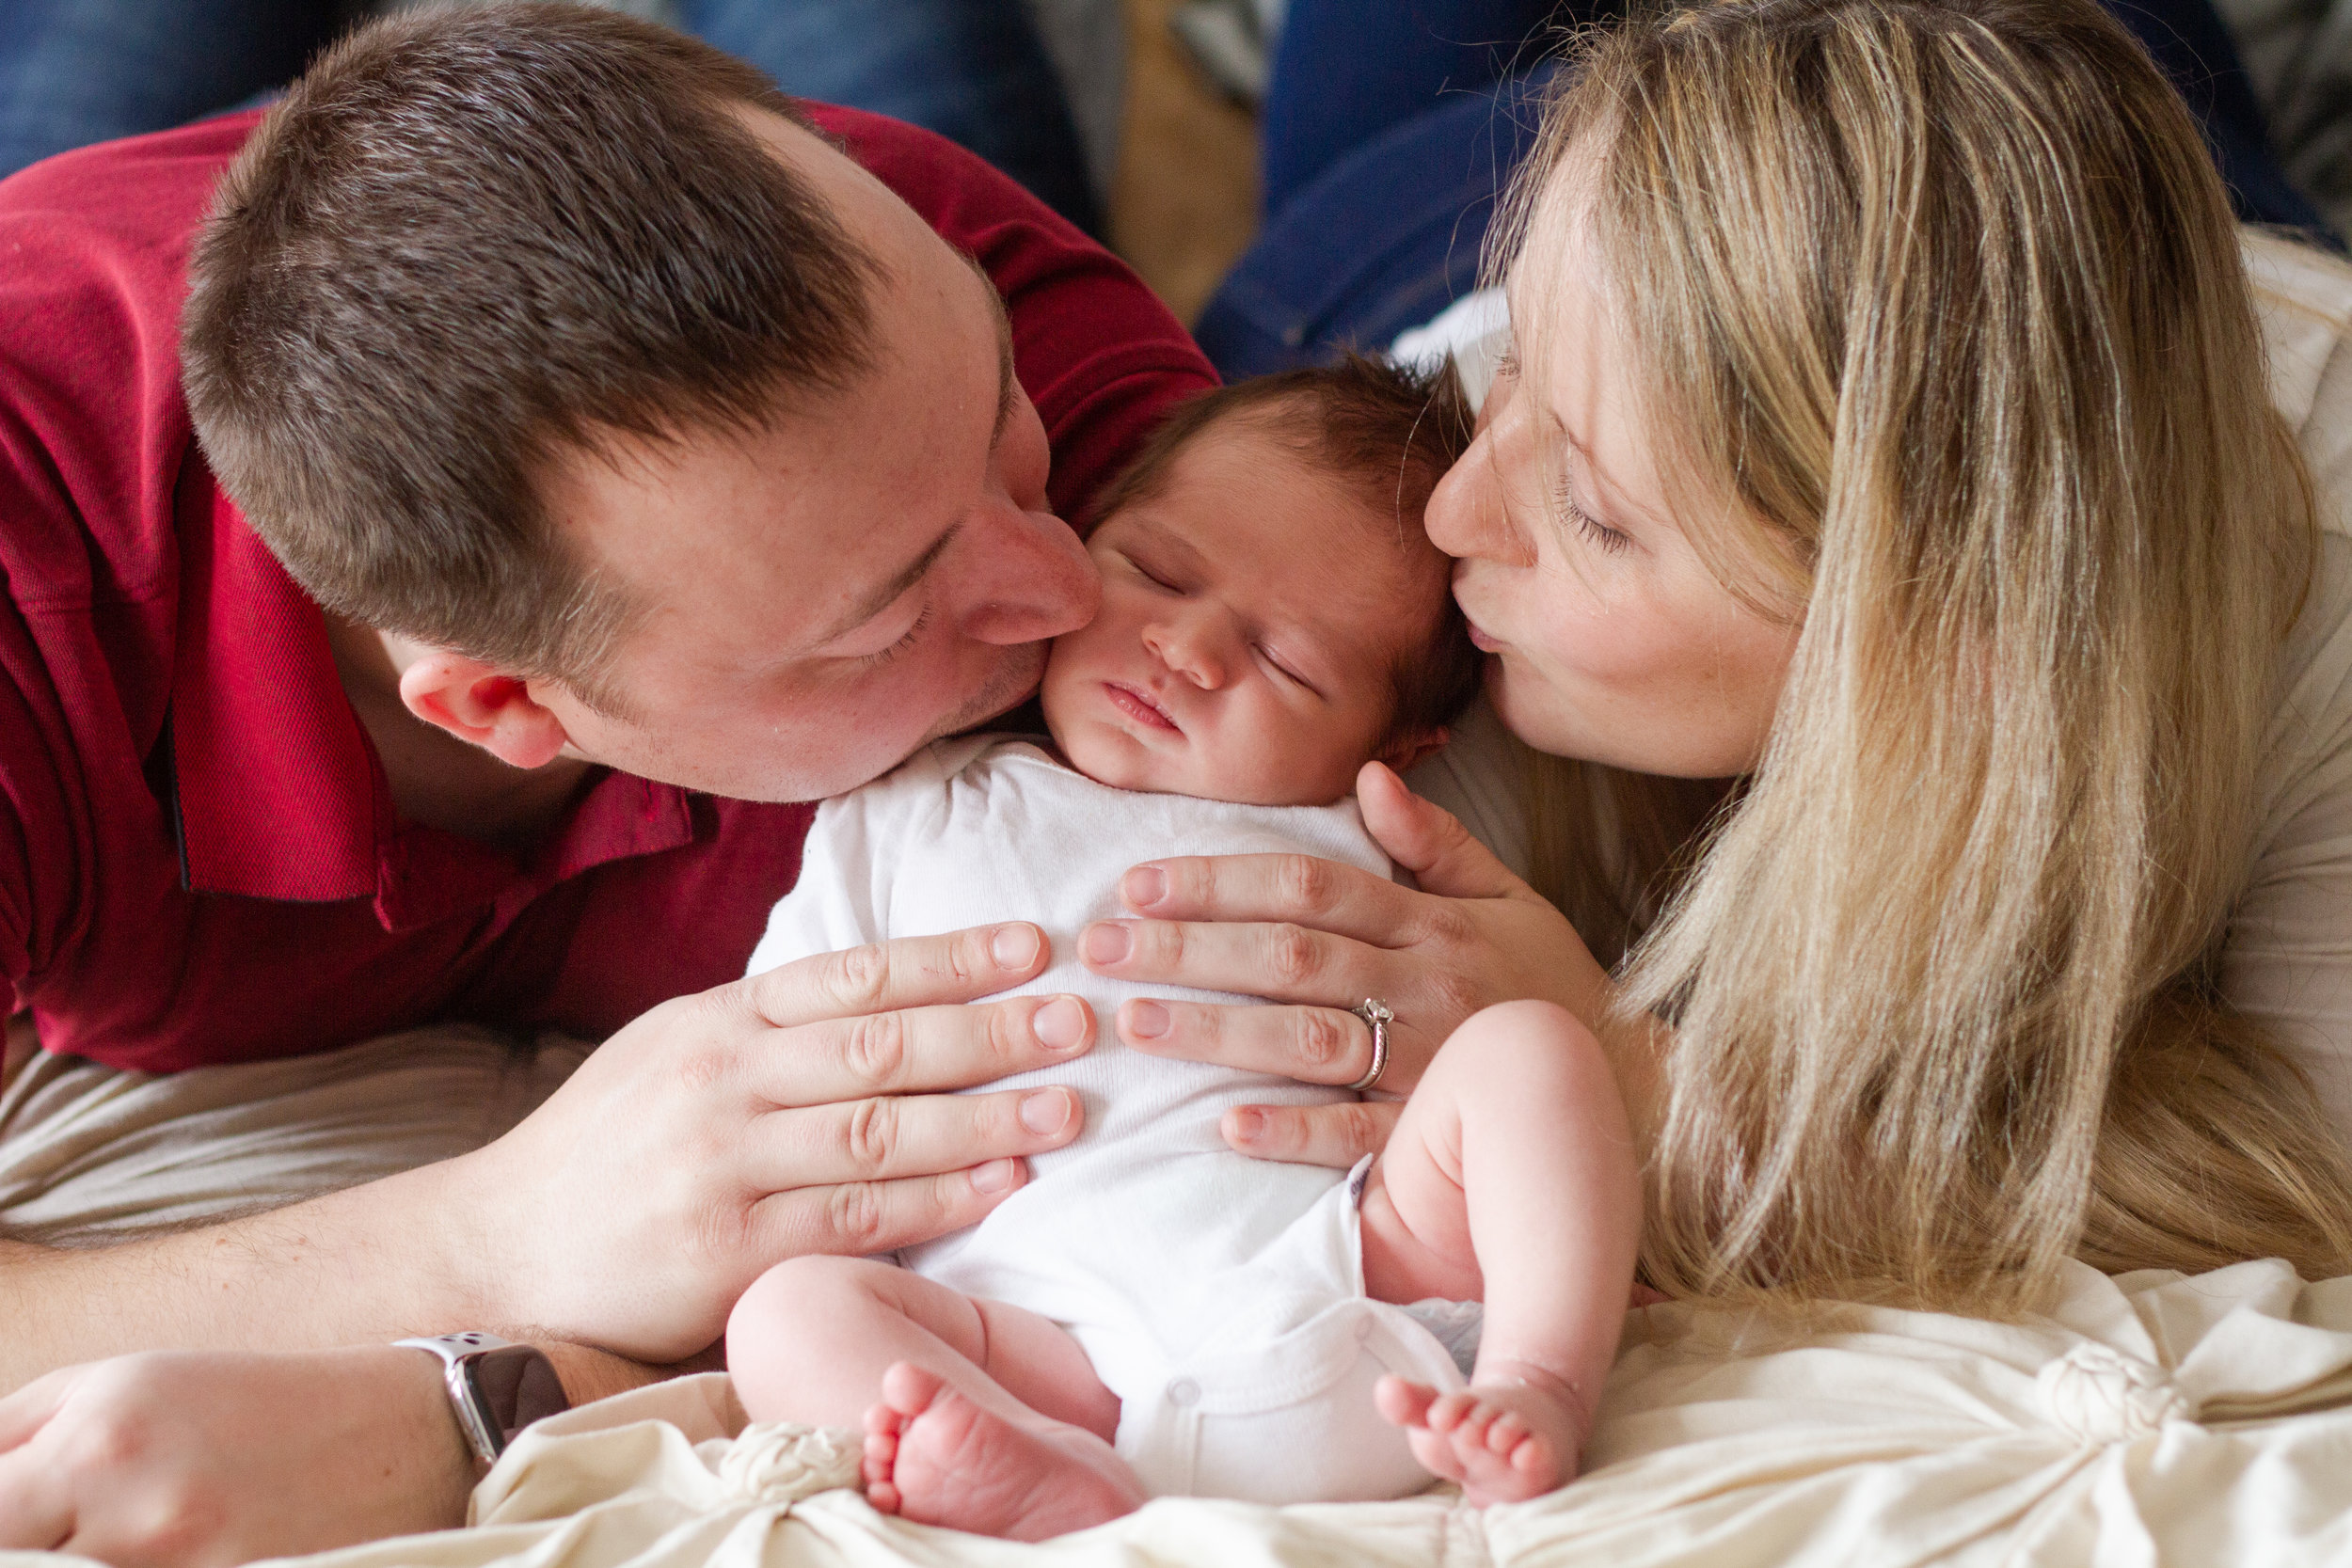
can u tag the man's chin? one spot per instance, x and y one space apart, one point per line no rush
1011 685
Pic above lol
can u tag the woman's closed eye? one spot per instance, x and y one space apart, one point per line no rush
1600 534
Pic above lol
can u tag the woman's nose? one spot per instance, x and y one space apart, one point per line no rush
1189 649
1465 516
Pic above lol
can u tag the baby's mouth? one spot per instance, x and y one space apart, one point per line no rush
1139 705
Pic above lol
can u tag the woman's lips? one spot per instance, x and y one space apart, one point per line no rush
1137 705
1480 640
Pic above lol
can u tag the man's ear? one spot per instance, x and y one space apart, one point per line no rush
1414 747
481 704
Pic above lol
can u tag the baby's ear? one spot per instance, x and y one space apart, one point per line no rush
1413 747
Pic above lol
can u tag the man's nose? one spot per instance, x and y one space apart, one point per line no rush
1191 648
1029 580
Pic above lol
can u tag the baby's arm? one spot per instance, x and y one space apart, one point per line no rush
1510 1178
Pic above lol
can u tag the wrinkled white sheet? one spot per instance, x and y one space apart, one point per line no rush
2148 1418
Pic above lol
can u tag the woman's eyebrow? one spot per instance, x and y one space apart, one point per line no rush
1600 475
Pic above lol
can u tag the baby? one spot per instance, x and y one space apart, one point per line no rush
1153 1313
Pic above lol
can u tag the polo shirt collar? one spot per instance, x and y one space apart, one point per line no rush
278 792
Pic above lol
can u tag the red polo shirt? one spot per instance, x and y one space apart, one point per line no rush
199 859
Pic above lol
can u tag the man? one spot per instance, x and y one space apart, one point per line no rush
581 421
581 458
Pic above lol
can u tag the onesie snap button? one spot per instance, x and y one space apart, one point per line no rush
1183 1391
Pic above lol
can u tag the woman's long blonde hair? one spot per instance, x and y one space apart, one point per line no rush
1949 297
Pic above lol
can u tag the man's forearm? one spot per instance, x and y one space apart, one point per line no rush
364 1266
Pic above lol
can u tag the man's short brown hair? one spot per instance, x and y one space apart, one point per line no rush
1387 432
467 245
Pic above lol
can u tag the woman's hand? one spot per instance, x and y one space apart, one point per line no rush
1317 938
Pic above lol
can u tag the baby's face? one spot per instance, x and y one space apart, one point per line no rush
1252 612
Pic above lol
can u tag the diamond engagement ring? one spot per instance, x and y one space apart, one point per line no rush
1376 1014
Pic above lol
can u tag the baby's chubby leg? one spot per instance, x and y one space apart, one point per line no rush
977 1415
1511 1178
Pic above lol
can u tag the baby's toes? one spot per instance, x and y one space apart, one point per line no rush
1402 1402
878 1460
1505 1432
1447 1411
1471 1433
1435 1453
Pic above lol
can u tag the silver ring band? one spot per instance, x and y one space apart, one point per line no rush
1376 1015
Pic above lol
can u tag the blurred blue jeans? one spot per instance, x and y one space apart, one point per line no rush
76 71
1390 128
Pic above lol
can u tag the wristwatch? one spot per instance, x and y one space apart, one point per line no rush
496 1388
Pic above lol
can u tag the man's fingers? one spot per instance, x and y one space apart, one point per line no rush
1303 889
913 971
1335 1135
886 1137
856 1218
36 1506
23 1413
915 1051
1314 1045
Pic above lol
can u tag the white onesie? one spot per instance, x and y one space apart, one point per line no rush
1220 1297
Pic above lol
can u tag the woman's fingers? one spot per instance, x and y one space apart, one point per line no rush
915 1051
1314 1045
1280 962
889 1136
913 971
1335 1135
1302 889
1429 841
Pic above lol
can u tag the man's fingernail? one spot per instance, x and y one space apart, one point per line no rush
1248 1125
1013 946
1046 1111
1145 886
1147 1021
996 1175
1059 1024
1105 943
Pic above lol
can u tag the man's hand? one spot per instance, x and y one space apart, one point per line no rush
202 1458
793 1112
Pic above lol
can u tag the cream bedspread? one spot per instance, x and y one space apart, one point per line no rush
2149 1418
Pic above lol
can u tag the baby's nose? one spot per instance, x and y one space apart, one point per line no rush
1192 653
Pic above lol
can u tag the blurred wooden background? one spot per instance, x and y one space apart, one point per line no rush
1184 198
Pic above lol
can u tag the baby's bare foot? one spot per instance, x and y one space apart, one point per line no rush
1505 1443
933 1456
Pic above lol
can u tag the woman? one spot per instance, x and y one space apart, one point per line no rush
1889 434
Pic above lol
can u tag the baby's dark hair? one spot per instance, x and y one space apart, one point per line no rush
1386 431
